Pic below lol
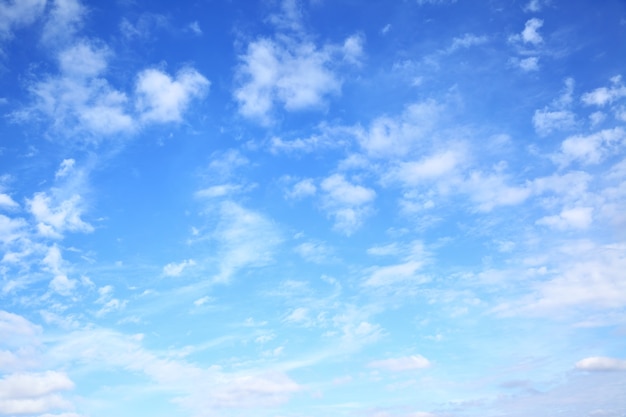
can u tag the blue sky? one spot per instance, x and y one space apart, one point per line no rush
307 208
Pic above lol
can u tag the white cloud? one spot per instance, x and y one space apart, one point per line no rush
388 275
216 191
16 14
400 273
303 188
289 70
598 363
314 252
589 277
195 28
408 363
16 329
491 190
529 64
7 202
56 217
289 17
556 116
66 168
533 6
62 284
298 315
161 99
199 389
398 136
606 95
353 49
33 393
530 34
145 26
347 203
176 269
592 148
546 121
574 218
78 99
83 60
64 20
246 239
295 75
466 41
429 168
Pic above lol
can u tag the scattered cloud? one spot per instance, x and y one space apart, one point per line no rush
408 363
162 99
398 136
33 393
63 22
246 238
289 70
529 64
176 269
576 218
605 95
591 148
558 116
16 14
530 33
599 363
347 203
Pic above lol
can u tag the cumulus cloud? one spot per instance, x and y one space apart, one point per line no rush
546 121
408 363
533 6
289 70
605 95
347 203
489 191
80 101
529 64
573 218
63 22
558 115
398 136
16 14
466 41
161 98
314 251
55 216
16 329
598 363
296 76
432 167
303 188
176 269
33 393
591 148
530 33
590 278
7 202
217 191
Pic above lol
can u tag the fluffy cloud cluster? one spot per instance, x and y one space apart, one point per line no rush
289 70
